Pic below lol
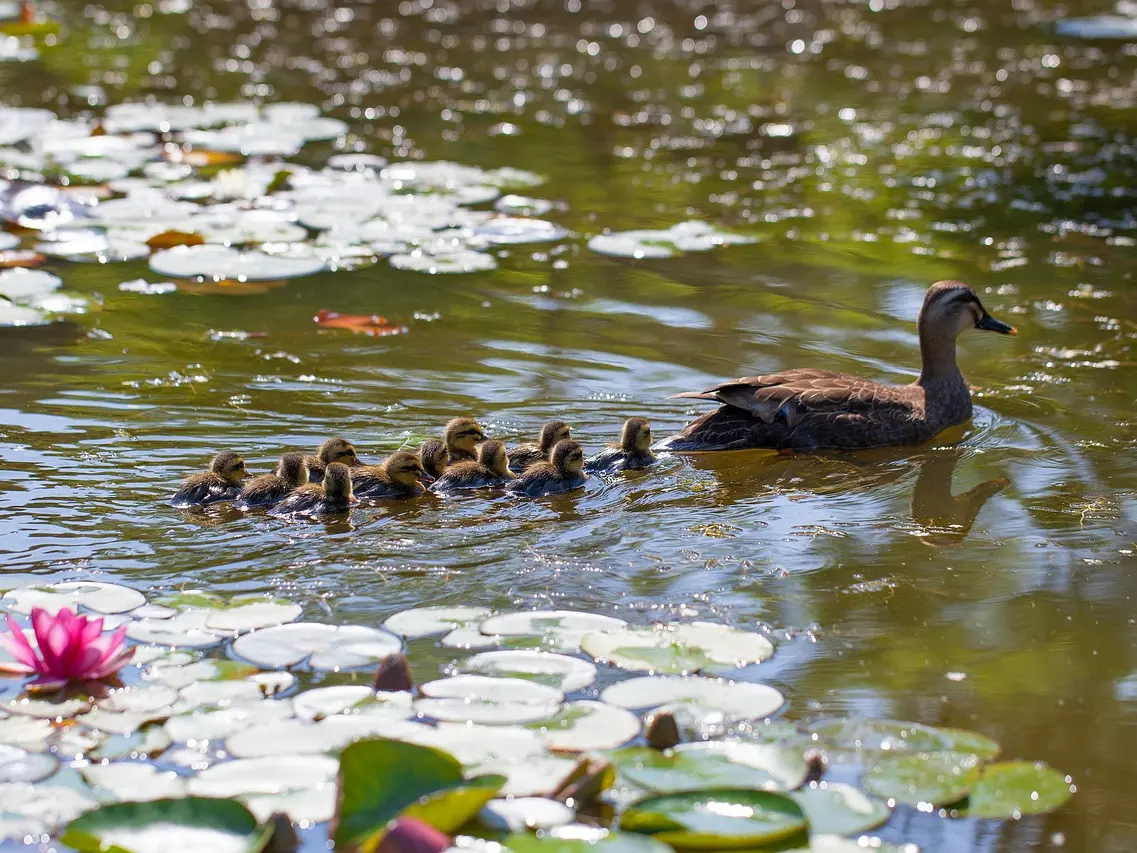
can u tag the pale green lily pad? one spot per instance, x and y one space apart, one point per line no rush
252 615
924 780
146 742
468 639
837 844
218 694
561 630
586 725
295 737
187 630
203 726
142 699
328 648
132 780
716 819
742 700
26 732
420 622
678 648
1011 789
716 764
529 776
76 595
47 803
46 709
189 824
897 736
491 701
182 675
314 805
567 674
577 838
324 702
834 808
276 775
472 744
518 814
19 765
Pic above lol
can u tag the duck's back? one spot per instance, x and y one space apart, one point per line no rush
544 479
204 489
466 475
265 490
524 457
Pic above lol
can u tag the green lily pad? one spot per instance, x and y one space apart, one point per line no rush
834 808
678 649
1011 789
716 819
583 839
925 779
718 764
837 844
897 736
381 779
222 826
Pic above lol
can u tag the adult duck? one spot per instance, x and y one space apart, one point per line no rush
810 409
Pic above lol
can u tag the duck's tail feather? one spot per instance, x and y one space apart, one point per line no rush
726 428
696 395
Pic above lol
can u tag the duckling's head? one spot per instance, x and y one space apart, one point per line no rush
434 457
403 468
552 432
951 307
492 455
337 450
292 469
229 467
464 434
636 436
567 457
337 482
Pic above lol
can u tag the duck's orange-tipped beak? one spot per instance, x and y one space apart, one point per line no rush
989 324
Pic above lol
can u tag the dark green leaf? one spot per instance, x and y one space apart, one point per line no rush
833 808
1011 789
716 819
935 778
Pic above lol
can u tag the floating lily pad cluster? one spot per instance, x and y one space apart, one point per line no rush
540 715
209 195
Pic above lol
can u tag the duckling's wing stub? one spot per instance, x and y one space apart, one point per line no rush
521 458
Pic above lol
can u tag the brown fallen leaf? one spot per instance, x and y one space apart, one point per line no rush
170 239
199 157
361 324
227 287
20 258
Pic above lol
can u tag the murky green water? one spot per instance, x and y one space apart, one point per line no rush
873 147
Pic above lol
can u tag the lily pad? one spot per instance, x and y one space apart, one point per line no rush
716 764
577 838
518 814
189 824
495 701
585 725
21 284
925 780
457 261
679 648
1011 789
48 804
25 732
251 615
221 262
214 725
426 621
328 648
297 737
133 780
185 631
567 674
530 776
558 629
896 736
342 699
382 779
313 805
691 236
275 775
716 819
45 709
19 765
473 745
508 230
88 595
834 808
742 700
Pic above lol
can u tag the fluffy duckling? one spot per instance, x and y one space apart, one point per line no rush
397 477
333 450
333 496
633 451
222 482
462 437
434 457
520 458
491 469
562 473
270 489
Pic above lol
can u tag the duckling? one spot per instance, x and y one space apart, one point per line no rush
434 458
270 489
562 473
631 453
333 450
396 477
333 496
462 437
522 457
491 469
222 482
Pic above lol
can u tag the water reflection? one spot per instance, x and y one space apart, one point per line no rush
945 519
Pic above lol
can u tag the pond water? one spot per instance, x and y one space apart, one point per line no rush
985 581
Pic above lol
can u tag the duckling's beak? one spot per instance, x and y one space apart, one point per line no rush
246 473
425 477
989 324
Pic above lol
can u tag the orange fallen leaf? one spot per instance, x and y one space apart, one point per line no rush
199 157
227 287
20 258
169 239
361 324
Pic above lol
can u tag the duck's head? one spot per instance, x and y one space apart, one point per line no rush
636 436
292 469
337 450
552 432
434 457
951 307
337 482
463 434
403 468
567 457
229 467
492 455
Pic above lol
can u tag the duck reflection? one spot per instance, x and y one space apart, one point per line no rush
946 519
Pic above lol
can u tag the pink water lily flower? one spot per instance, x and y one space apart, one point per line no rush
71 648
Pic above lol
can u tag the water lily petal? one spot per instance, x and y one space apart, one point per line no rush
44 684
43 624
16 668
17 644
